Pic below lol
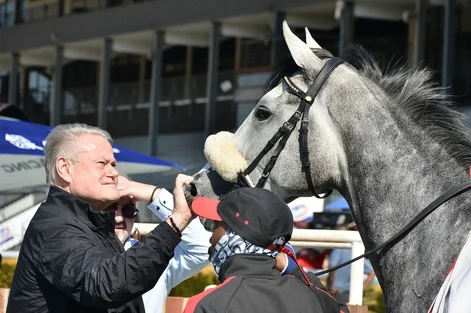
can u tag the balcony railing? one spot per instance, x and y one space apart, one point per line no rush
80 6
182 102
41 12
175 91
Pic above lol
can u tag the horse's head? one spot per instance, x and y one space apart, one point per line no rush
273 110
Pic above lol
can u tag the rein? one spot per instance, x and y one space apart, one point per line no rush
386 246
285 131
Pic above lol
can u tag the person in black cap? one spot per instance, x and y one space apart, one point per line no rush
250 228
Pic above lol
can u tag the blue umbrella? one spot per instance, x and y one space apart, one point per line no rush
22 156
339 204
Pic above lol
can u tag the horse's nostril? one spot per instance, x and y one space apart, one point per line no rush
193 190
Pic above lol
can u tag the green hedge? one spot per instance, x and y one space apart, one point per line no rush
373 299
372 296
6 274
195 284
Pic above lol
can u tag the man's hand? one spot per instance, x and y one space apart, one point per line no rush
135 190
182 215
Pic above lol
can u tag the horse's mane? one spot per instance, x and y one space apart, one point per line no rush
411 88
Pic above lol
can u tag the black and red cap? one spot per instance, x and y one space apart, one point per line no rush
257 215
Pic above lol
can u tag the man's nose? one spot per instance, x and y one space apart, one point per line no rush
118 212
113 172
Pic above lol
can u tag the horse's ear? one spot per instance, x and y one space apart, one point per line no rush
301 53
310 42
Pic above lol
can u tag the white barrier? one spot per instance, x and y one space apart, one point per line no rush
311 238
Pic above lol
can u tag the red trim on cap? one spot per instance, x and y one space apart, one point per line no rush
206 207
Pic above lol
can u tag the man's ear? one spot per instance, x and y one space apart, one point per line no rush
63 169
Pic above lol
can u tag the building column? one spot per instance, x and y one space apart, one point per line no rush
213 79
449 44
104 83
277 40
17 19
60 7
347 26
142 78
13 78
237 55
420 26
188 71
155 91
188 78
56 100
23 87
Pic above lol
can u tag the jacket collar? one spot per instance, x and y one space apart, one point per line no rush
80 209
248 265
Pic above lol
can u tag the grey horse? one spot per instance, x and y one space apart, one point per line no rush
389 142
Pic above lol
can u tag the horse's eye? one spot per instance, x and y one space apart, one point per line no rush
262 113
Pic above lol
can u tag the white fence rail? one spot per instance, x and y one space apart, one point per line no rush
315 238
16 207
13 229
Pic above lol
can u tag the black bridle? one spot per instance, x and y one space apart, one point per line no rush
307 99
283 134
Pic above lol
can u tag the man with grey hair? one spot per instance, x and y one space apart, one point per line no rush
71 259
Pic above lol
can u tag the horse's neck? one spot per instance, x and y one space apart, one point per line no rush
391 173
393 178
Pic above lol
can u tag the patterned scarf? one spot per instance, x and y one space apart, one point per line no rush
231 244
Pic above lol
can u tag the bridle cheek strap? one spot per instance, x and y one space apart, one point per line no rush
285 131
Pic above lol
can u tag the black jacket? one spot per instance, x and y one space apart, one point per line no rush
71 261
250 283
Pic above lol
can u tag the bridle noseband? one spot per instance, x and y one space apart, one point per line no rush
307 99
282 135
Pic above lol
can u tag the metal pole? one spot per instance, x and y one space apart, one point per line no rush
356 274
277 38
212 81
56 105
346 26
449 44
155 91
13 78
60 7
18 12
142 78
419 32
104 91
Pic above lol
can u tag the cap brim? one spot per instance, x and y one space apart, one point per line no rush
206 207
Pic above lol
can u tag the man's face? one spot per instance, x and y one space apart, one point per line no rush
219 231
93 176
123 226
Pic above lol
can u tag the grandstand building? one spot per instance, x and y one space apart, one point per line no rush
160 75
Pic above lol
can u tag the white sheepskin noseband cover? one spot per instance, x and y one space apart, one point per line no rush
223 156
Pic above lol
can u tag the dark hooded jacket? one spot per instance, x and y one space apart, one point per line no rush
71 261
250 283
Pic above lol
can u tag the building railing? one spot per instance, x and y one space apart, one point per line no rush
175 91
41 12
80 6
182 103
319 238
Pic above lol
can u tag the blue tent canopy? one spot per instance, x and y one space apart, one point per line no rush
22 156
339 204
